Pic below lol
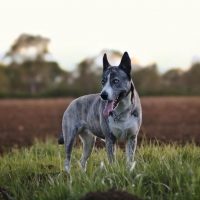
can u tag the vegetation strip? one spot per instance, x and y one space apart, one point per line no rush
161 172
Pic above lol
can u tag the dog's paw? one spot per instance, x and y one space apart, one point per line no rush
67 166
102 166
131 166
67 169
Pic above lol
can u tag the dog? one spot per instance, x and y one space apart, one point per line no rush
113 114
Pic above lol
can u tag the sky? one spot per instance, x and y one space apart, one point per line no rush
163 31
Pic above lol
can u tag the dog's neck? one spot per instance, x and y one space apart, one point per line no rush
124 104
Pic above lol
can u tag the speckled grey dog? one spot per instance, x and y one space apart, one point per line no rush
114 114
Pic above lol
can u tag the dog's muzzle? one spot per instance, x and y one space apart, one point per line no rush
104 95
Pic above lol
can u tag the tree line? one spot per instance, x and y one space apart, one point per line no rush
41 78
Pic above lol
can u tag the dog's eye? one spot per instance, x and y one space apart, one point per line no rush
115 81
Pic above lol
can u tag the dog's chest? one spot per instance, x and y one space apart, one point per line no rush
123 129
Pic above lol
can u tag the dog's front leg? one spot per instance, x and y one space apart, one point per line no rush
109 139
131 144
110 149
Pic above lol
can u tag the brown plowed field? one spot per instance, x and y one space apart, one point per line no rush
164 118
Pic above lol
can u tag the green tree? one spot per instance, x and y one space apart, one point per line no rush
191 79
147 80
4 81
88 80
172 82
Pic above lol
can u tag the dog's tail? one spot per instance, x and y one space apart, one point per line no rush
61 139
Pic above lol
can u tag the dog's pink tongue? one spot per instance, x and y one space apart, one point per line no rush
108 108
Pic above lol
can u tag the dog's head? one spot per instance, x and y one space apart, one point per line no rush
116 82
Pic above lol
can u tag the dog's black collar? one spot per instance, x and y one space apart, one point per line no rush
132 92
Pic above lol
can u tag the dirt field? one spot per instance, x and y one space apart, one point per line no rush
164 118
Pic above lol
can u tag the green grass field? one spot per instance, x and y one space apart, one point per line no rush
167 172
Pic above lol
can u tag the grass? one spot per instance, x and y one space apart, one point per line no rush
167 172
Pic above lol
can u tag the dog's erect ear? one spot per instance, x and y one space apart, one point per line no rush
125 64
105 62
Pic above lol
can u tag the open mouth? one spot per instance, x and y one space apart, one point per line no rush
111 105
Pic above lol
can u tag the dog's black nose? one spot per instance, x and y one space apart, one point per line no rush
104 95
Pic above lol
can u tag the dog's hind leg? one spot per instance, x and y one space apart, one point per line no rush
88 141
70 136
70 132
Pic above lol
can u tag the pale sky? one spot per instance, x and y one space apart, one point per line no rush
164 31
